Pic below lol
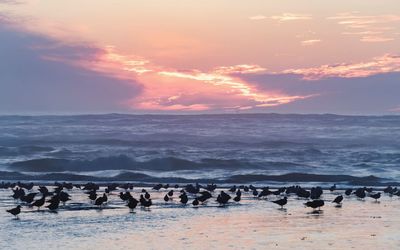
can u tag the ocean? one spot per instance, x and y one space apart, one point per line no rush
227 148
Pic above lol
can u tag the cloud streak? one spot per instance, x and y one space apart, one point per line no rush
370 28
384 64
284 17
310 42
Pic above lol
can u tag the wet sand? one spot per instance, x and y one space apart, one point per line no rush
251 224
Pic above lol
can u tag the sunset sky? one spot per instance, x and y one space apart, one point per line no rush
208 56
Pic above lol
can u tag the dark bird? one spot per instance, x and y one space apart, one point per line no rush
223 198
281 202
171 193
348 191
132 203
264 192
237 198
44 190
211 187
166 198
205 195
18 193
54 203
184 198
375 196
39 203
255 192
125 196
338 199
64 197
315 204
93 195
233 189
15 211
101 200
195 202
28 198
316 193
158 187
333 188
146 203
360 193
147 195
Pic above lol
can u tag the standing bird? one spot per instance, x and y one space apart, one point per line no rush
166 198
15 211
223 198
195 202
101 200
184 198
333 188
315 204
132 203
338 200
54 203
39 203
348 191
281 202
375 196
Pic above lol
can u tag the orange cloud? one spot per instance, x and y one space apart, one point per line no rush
188 90
378 65
310 42
284 17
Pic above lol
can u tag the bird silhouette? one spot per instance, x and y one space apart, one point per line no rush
375 196
132 203
315 204
39 203
281 202
166 198
15 211
184 198
223 198
338 200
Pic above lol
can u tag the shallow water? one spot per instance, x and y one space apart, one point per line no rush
251 224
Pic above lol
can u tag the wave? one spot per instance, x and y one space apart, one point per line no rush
242 179
127 163
24 150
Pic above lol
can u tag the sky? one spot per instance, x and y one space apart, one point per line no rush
208 56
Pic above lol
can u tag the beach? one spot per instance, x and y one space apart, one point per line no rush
252 223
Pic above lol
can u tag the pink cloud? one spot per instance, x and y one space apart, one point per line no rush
310 42
377 28
189 90
378 65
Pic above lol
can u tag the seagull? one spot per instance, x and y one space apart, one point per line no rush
15 211
101 200
132 203
281 202
166 198
315 204
375 196
184 198
39 203
223 198
338 200
195 202
348 191
54 203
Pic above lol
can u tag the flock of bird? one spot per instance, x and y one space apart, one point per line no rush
24 194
